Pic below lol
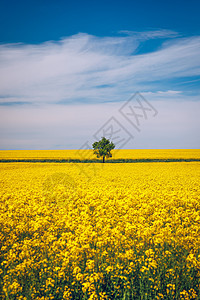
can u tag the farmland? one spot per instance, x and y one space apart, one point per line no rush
94 231
84 154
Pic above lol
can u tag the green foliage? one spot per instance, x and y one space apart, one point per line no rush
103 148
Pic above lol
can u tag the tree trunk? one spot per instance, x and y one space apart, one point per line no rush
103 159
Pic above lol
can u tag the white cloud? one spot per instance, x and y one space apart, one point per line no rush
88 68
162 33
94 76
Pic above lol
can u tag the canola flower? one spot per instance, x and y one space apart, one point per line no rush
131 232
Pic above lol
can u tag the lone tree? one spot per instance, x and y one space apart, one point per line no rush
103 148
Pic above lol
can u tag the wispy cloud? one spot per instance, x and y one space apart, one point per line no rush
85 68
154 34
92 75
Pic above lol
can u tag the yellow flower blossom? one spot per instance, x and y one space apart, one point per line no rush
132 229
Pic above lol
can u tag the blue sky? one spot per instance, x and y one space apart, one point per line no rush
68 67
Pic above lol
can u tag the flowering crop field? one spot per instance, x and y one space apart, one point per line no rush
117 154
126 231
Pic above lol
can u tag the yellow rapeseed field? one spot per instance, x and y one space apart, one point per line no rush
100 231
84 154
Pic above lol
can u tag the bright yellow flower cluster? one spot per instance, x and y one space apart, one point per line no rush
130 232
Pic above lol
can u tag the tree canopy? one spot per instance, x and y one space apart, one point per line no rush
103 148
